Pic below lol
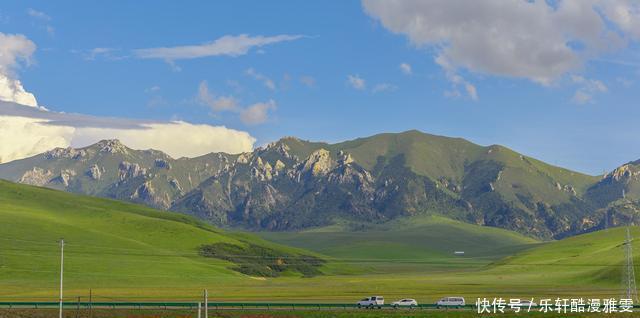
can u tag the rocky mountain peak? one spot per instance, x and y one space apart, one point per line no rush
344 158
111 146
318 163
623 172
69 153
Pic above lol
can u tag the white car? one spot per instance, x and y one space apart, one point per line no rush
451 302
370 302
407 302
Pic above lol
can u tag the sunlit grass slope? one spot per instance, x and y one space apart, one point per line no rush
417 242
109 244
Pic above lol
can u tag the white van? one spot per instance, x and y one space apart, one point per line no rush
451 302
370 302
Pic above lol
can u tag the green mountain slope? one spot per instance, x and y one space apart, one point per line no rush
115 244
294 184
128 252
595 258
408 244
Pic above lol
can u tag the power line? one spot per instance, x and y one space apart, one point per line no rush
629 276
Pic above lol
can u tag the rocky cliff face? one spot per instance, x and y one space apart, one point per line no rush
294 184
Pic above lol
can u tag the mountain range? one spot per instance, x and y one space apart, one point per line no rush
294 184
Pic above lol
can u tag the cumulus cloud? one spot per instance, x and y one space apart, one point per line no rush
536 40
15 49
405 68
220 103
262 78
22 137
356 82
257 113
27 131
228 45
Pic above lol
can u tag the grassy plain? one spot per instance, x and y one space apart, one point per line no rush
125 252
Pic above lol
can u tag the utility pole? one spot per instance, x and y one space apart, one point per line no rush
629 276
206 303
61 272
90 303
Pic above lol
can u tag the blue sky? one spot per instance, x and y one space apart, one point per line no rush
583 117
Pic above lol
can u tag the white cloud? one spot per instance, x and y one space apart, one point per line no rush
152 89
625 14
107 53
587 89
536 40
22 137
257 113
220 103
471 91
27 131
176 138
38 14
261 77
14 50
43 17
356 82
456 81
307 80
228 45
581 97
406 68
384 87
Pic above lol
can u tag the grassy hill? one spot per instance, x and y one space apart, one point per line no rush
410 245
111 244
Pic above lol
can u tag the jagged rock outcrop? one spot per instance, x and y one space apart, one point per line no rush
318 163
162 163
147 194
69 153
113 146
95 172
64 177
36 176
128 170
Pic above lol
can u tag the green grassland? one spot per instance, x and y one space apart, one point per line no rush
129 252
415 244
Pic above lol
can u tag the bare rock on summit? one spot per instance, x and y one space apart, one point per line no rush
69 153
318 163
113 146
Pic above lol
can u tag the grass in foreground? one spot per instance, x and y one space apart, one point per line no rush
125 252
